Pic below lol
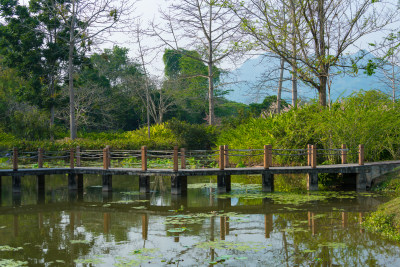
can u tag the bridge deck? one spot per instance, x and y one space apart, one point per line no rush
337 168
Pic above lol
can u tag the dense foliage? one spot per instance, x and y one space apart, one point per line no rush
368 118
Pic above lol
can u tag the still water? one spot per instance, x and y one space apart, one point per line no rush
243 228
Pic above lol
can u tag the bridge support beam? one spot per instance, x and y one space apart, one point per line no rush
72 184
224 183
144 184
312 181
361 181
178 185
79 180
267 182
16 184
40 184
107 182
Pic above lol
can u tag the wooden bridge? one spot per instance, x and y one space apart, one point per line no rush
218 164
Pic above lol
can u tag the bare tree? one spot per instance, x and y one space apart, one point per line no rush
204 25
86 102
388 63
156 101
322 29
87 22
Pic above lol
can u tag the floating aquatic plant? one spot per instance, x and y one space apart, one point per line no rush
239 246
80 241
95 260
12 263
8 248
139 208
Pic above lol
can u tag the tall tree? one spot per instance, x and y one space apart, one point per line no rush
21 48
87 21
187 83
203 25
54 50
323 30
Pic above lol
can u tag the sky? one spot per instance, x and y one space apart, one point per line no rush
148 10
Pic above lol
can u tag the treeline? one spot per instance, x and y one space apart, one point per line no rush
111 93
52 81
368 117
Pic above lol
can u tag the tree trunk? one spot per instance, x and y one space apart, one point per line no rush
211 118
323 73
72 123
52 111
279 95
52 107
294 48
322 91
294 84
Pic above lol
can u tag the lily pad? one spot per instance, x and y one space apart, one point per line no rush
8 248
139 208
12 263
177 230
239 246
89 261
80 241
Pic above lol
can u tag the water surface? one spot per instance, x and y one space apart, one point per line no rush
243 228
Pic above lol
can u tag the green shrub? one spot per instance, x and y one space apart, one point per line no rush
193 136
368 118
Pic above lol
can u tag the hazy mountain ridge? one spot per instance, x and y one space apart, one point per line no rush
243 80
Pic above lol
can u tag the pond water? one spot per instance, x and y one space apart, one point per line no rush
243 228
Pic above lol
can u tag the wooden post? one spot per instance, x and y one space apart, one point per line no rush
267 156
40 158
15 159
71 158
270 155
108 156
144 158
175 159
221 158
226 150
183 159
78 156
309 153
361 155
313 156
266 165
105 159
344 154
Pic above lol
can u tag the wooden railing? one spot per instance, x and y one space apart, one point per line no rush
175 159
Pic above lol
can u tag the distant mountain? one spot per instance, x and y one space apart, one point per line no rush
244 82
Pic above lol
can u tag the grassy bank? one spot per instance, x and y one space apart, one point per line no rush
386 220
